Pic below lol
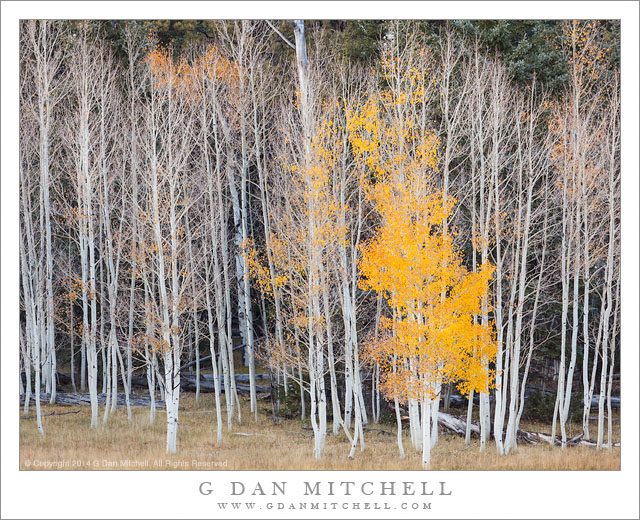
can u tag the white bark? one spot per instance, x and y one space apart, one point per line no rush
426 433
216 376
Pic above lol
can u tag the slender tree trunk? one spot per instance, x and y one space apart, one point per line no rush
216 376
426 433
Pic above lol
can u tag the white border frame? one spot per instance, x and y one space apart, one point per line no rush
490 494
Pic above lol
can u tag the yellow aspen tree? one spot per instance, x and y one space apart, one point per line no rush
412 264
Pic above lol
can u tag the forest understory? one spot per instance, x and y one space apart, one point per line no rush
138 445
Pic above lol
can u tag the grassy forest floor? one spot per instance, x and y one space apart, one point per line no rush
69 443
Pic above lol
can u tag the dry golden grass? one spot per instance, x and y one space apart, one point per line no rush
69 443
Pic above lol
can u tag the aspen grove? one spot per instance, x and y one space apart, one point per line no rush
377 238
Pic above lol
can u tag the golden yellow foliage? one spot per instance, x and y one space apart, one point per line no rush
432 337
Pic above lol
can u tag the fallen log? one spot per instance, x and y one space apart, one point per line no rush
458 425
188 382
207 384
83 399
49 414
379 430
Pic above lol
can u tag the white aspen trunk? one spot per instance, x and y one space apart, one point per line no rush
240 219
348 304
224 344
28 278
174 352
499 366
565 305
85 311
414 418
512 424
316 365
81 71
25 350
216 376
83 364
313 390
358 385
112 388
234 400
426 433
106 370
485 420
113 350
412 429
302 402
575 322
149 357
111 254
246 288
533 321
217 224
352 315
194 311
93 361
167 354
248 314
377 403
467 434
603 375
474 235
172 387
107 382
360 400
83 342
335 404
23 364
132 288
126 385
335 400
596 355
152 384
322 397
316 361
375 376
608 337
435 405
239 263
197 349
585 319
396 406
614 332
356 433
72 335
348 350
134 86
43 44
485 199
36 362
